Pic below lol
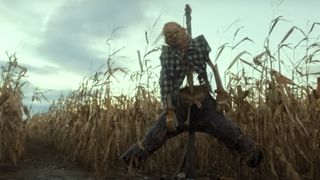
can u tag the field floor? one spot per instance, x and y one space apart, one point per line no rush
42 162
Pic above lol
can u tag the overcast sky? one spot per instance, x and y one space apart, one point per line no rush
62 41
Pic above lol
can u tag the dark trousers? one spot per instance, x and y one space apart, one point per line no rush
204 119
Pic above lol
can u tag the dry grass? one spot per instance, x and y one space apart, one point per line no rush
12 135
93 127
284 125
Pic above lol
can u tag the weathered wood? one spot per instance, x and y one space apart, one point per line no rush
222 95
216 76
188 158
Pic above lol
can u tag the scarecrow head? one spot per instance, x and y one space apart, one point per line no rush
175 35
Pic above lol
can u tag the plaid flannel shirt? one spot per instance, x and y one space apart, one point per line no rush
175 65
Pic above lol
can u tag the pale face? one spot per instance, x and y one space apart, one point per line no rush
175 35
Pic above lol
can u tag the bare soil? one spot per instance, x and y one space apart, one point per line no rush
42 162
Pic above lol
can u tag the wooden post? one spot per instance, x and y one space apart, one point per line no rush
187 164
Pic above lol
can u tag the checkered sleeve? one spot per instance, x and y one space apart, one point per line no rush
204 46
165 82
205 50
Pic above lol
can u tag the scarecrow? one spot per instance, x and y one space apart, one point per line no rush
190 108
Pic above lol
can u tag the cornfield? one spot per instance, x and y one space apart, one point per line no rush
12 132
93 127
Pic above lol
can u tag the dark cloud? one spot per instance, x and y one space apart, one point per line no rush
71 55
23 15
72 31
43 70
94 17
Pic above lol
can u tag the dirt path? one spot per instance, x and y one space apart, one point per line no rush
41 162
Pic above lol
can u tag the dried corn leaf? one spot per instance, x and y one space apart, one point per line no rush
290 170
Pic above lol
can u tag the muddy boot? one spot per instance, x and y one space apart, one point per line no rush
135 156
